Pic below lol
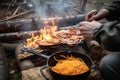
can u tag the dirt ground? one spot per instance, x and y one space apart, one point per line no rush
14 70
15 73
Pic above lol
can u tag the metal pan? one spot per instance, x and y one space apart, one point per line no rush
54 44
52 62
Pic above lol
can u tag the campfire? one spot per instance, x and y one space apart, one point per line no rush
50 34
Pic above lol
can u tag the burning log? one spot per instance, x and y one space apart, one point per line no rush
9 37
58 20
51 35
17 25
10 28
70 20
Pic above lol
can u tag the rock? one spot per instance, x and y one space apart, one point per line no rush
34 74
26 64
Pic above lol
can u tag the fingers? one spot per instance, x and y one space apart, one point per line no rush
97 16
86 34
82 23
89 15
85 29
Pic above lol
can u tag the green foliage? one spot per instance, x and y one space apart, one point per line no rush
97 4
15 77
106 2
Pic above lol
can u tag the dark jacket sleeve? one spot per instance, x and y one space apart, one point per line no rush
108 35
114 10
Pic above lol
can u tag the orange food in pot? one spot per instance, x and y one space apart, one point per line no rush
70 66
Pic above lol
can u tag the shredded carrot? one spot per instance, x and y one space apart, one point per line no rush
70 66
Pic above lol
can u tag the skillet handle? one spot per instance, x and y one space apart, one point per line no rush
41 70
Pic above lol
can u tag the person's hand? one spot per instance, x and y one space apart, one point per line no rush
87 28
96 15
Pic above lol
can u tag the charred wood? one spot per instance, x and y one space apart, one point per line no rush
11 37
10 28
15 36
36 23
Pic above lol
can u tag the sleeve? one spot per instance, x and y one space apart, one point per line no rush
108 35
114 11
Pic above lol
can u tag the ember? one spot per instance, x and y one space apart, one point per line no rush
50 35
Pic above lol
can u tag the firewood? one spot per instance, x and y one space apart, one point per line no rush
16 10
17 15
68 20
10 28
8 37
9 7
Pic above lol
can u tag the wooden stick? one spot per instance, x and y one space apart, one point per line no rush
79 11
16 10
6 4
9 6
14 16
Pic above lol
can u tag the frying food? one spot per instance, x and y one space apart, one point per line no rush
70 36
70 66
50 35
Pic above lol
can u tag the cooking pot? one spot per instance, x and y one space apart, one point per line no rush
52 62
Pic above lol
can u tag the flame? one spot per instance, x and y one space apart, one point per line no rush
50 35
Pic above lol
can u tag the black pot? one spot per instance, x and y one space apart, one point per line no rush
52 62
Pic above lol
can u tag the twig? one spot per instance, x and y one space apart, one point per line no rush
79 11
16 10
14 16
6 4
9 5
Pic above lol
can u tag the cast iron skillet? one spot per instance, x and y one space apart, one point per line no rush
53 44
52 62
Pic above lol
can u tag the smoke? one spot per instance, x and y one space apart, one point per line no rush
45 8
61 6
40 7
